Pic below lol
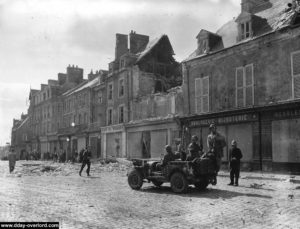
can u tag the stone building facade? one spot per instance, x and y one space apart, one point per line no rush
140 70
244 78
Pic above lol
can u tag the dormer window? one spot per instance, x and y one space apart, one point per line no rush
246 30
244 22
207 42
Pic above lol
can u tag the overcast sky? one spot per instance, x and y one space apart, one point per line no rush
39 38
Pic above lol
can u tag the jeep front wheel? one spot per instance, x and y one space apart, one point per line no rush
179 184
135 180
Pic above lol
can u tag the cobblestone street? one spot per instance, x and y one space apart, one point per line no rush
106 201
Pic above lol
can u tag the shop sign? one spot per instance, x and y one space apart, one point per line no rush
225 120
116 128
287 114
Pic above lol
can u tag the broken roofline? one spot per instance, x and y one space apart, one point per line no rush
153 44
240 43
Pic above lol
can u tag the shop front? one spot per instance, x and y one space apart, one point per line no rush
113 141
285 127
240 127
147 139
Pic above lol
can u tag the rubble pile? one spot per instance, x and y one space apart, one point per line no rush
46 168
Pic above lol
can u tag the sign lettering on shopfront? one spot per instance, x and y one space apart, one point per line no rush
225 120
113 128
287 114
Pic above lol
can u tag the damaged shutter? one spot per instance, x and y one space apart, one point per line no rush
296 73
240 87
198 93
205 94
249 84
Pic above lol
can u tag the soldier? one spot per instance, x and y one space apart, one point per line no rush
87 154
194 149
169 156
12 157
215 143
235 155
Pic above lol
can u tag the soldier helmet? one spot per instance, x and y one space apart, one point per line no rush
233 143
211 126
194 138
168 148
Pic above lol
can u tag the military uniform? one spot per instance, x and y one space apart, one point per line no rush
12 157
87 154
235 156
215 143
194 151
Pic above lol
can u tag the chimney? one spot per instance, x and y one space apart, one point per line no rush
247 6
62 78
138 42
121 45
52 82
74 75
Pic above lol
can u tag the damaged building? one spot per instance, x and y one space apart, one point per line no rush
140 70
245 78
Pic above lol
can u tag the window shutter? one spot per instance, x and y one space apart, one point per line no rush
205 94
249 75
297 87
198 93
296 63
198 104
198 87
249 96
205 103
239 77
205 86
240 97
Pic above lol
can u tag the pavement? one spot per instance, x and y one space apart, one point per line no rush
45 191
265 176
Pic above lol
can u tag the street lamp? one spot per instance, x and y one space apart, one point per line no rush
73 124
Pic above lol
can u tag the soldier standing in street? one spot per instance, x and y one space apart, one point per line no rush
87 154
215 143
235 156
12 157
194 149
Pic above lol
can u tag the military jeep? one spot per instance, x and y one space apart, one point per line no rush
201 172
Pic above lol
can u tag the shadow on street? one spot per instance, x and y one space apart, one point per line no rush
208 193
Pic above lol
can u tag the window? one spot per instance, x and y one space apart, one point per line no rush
109 116
85 118
121 114
122 63
246 30
79 119
244 86
85 102
121 87
110 91
202 94
44 96
296 74
99 97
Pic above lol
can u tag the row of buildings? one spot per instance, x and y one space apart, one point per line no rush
245 77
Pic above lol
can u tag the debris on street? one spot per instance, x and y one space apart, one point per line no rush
255 185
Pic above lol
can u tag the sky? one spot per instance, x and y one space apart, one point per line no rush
40 38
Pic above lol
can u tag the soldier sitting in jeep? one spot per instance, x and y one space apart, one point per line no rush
169 156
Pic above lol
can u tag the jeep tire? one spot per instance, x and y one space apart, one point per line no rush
135 179
179 183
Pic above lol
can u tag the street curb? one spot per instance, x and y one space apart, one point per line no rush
292 180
